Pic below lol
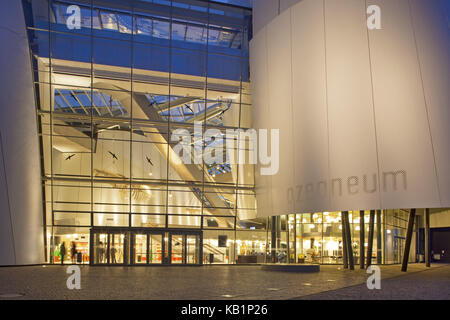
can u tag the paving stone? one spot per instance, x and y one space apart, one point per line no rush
213 282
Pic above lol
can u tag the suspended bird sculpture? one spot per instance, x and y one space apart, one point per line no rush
189 108
70 157
113 155
148 160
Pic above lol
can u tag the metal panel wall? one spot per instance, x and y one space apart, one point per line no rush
21 190
368 127
264 188
309 98
280 106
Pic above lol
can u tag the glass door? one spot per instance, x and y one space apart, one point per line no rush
185 247
177 248
156 249
192 248
116 248
109 247
100 248
140 249
148 248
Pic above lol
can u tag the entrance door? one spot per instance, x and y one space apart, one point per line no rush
145 246
109 247
184 247
148 247
156 248
177 248
140 249
192 248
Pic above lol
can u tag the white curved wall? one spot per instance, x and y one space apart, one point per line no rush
355 107
21 232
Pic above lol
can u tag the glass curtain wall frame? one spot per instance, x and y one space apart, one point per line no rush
317 237
99 167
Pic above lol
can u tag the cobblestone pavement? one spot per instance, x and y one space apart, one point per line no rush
222 282
432 284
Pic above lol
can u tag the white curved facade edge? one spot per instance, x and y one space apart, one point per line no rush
21 231
364 115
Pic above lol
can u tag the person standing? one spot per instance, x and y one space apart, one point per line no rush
62 252
73 252
113 255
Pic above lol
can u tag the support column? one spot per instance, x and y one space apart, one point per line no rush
379 232
370 240
427 238
361 239
348 238
344 247
273 243
412 216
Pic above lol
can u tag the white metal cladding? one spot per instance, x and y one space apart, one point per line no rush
364 115
21 232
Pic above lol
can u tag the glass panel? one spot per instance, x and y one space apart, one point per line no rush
178 31
125 23
116 248
72 218
144 26
309 242
155 249
177 244
75 241
196 34
251 246
192 249
100 248
140 249
218 222
332 243
109 20
218 246
161 29
184 221
111 220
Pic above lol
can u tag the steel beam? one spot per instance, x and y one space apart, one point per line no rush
427 238
344 246
273 242
370 240
379 232
348 240
179 102
361 239
412 216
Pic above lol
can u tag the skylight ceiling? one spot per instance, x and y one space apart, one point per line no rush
153 26
180 109
189 109
241 3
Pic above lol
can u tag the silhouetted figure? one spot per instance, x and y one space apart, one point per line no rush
100 252
62 252
113 255
73 252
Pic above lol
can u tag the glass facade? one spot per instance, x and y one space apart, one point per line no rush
111 93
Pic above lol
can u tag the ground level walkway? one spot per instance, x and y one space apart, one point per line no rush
223 282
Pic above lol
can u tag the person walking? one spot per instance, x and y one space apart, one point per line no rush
62 252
